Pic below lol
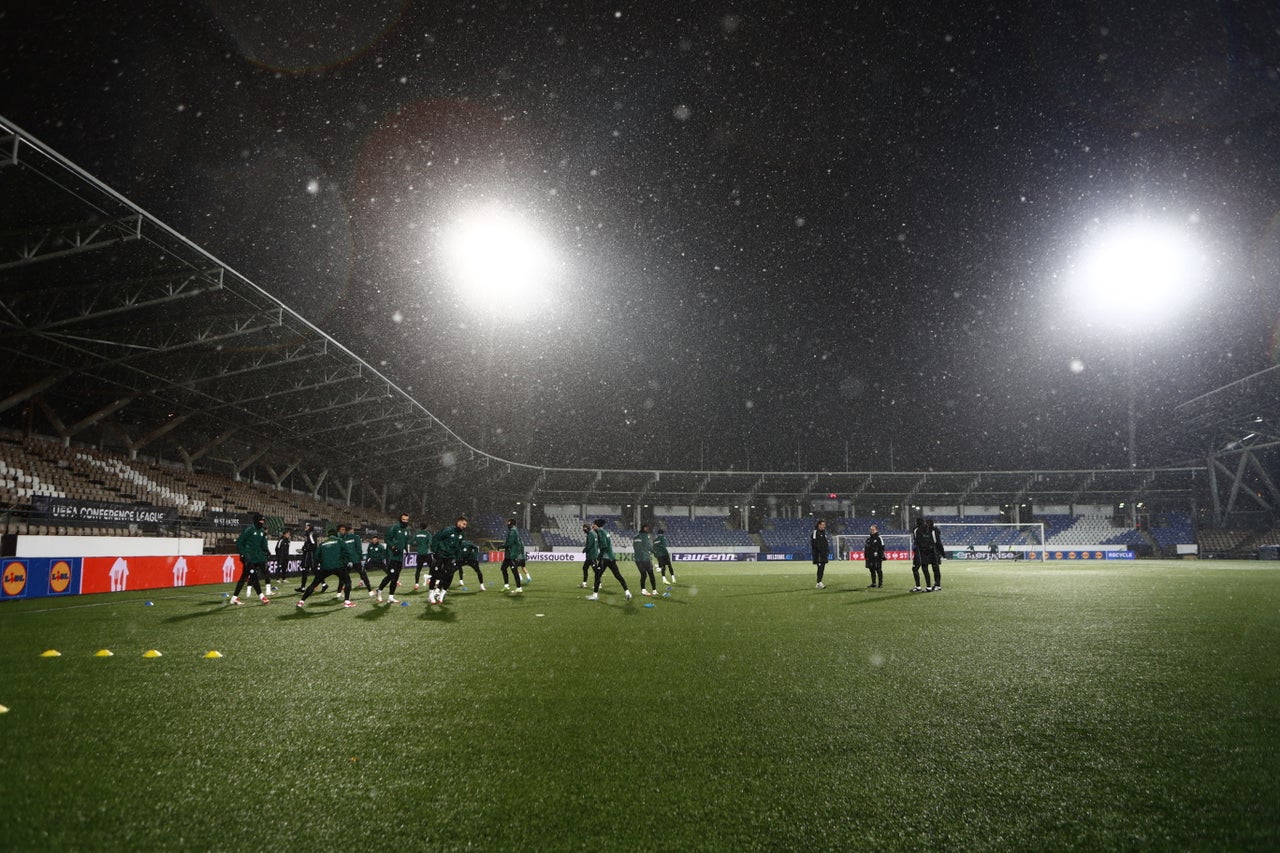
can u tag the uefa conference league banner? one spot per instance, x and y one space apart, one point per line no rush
50 510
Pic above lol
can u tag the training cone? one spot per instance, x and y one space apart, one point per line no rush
3 709
152 653
213 654
102 653
404 604
649 604
51 653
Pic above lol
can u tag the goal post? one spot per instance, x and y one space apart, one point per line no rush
992 540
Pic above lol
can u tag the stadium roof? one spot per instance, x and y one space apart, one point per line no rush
119 331
118 327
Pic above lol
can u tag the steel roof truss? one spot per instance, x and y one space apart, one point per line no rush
97 302
43 244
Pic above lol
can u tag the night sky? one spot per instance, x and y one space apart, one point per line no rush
785 235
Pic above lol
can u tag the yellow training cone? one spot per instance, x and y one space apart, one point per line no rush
151 653
3 710
51 653
214 654
102 653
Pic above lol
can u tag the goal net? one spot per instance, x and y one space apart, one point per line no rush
897 546
992 540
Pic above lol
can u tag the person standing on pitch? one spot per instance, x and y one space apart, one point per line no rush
915 554
446 549
935 536
514 556
663 554
470 557
333 560
398 536
605 560
375 559
588 561
309 543
353 550
644 560
873 553
390 580
820 548
922 555
252 548
282 553
422 548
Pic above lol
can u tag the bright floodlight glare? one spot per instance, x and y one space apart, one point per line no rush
1138 272
496 259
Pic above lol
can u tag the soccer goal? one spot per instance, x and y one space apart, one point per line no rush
992 540
897 546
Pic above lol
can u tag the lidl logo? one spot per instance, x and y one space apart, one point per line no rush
15 578
59 576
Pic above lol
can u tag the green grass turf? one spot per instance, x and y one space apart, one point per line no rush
1116 706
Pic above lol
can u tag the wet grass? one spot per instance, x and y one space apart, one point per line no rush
1117 706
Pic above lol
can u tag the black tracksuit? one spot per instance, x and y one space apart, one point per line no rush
873 551
821 550
922 539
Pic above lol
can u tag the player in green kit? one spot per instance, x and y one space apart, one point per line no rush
605 559
514 558
663 554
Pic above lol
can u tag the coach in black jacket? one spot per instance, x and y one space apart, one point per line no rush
873 551
821 548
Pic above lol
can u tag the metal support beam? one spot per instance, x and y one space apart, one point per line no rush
160 431
280 478
98 302
190 458
33 389
241 467
23 249
1211 467
58 426
315 485
9 149
105 411
1266 479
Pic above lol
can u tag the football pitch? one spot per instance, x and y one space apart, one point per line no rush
1024 707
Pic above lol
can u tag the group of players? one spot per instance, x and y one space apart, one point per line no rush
340 553
926 554
598 556
445 553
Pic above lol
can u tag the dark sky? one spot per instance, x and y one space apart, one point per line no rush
785 232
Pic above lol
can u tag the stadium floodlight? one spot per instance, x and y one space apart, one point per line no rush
496 258
1139 269
1136 276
